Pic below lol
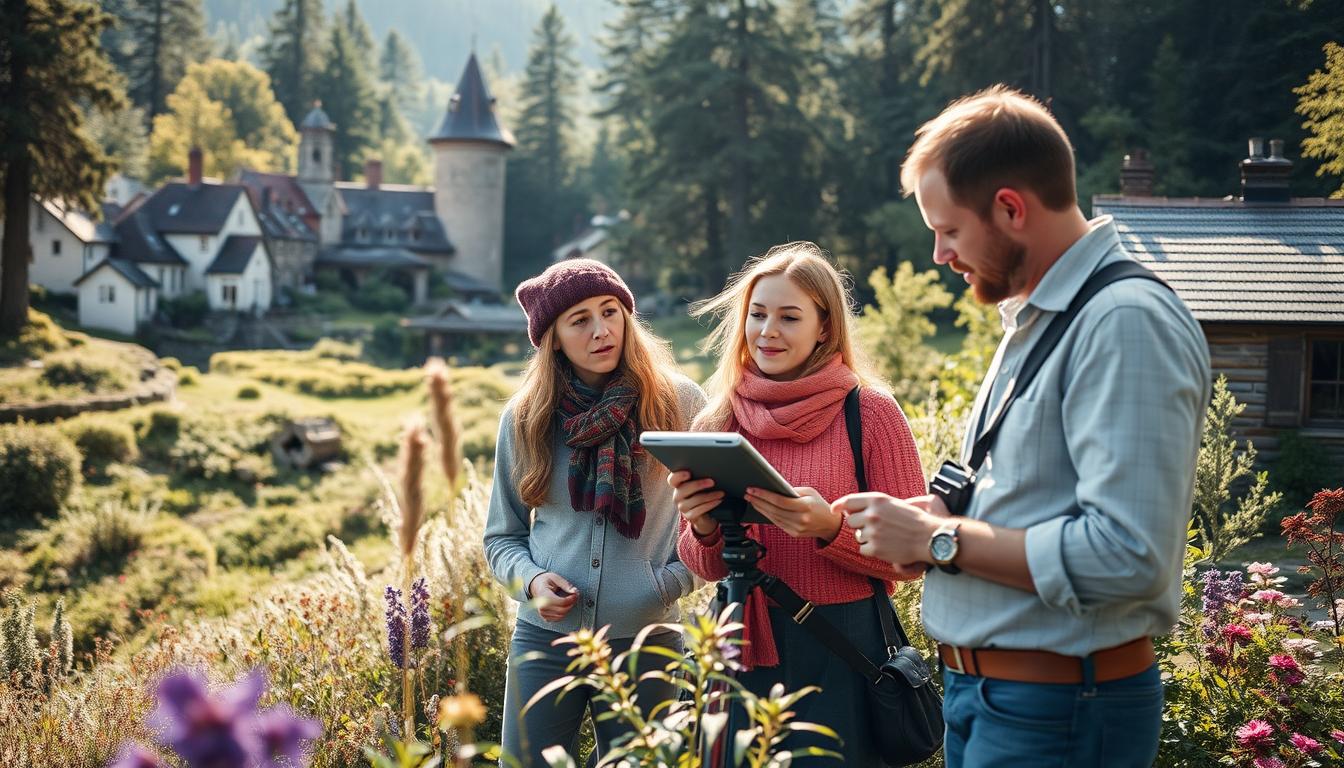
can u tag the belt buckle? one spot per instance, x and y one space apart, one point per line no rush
961 665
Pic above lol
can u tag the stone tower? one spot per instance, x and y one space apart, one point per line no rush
316 163
469 149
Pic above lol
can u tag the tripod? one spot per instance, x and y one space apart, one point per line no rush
740 554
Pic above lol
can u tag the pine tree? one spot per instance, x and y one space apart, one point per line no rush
358 30
399 70
52 65
545 126
348 98
1321 102
293 55
158 39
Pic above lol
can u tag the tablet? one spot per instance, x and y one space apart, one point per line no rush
726 457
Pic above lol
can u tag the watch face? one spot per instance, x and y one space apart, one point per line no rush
943 547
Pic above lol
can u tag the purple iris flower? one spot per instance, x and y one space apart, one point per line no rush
419 614
396 627
209 732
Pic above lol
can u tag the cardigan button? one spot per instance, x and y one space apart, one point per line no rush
590 602
596 562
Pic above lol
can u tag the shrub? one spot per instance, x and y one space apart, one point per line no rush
380 296
186 311
1301 468
85 543
1222 525
267 537
73 369
335 349
102 441
39 338
188 375
39 468
248 392
171 363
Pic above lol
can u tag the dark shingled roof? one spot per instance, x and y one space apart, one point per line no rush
316 118
283 208
181 208
126 269
470 317
137 241
471 112
392 217
233 258
1232 261
387 258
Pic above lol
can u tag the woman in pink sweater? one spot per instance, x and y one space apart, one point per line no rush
786 364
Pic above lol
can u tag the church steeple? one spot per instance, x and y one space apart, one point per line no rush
316 163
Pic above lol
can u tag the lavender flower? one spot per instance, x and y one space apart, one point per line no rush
396 627
283 735
208 732
1221 589
132 755
419 614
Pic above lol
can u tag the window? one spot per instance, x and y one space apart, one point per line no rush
317 155
107 294
1325 386
205 243
229 293
55 247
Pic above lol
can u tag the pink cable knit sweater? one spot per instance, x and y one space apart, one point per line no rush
799 427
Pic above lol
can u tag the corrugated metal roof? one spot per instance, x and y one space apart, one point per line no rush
1236 262
471 112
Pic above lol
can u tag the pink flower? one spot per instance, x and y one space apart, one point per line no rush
1267 762
1257 734
1337 735
1262 569
1305 744
1283 661
1275 597
1217 655
1257 618
1236 633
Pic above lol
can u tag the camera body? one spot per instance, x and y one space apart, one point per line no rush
954 483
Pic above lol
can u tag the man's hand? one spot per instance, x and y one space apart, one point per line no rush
555 595
807 516
694 500
893 530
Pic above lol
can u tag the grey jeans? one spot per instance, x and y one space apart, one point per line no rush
557 719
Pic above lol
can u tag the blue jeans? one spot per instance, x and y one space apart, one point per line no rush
1006 724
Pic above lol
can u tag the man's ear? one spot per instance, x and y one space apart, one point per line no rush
1010 209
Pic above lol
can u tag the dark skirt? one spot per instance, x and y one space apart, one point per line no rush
842 703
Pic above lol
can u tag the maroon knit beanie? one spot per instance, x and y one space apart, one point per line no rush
544 297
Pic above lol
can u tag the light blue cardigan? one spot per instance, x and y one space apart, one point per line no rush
624 583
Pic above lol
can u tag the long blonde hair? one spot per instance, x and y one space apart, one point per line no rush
645 357
807 266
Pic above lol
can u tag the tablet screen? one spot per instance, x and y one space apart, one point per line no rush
726 457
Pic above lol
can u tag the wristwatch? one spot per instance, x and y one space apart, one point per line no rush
943 546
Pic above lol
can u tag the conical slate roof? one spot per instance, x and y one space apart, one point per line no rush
471 112
317 119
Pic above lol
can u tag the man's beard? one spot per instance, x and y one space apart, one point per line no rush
999 275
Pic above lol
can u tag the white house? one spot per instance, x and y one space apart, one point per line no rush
239 279
116 295
65 243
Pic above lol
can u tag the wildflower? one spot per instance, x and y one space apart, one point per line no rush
1217 655
1305 744
1283 661
1327 625
1337 735
445 426
463 710
412 488
1256 734
132 755
1257 618
1285 669
1267 762
1271 596
1262 569
1236 633
1301 646
1221 589
396 627
419 614
283 735
62 641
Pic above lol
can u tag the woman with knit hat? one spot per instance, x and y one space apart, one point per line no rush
581 525
786 364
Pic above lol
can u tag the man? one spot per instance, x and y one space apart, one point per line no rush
1068 558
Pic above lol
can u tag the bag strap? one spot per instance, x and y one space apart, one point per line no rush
1111 273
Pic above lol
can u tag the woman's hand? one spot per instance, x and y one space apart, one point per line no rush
555 595
807 516
694 501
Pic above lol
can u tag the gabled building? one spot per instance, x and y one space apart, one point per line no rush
64 243
1263 273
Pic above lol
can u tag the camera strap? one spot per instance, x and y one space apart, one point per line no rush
1111 273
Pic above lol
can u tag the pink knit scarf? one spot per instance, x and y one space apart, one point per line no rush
798 410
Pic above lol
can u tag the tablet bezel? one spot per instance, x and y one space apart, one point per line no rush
710 450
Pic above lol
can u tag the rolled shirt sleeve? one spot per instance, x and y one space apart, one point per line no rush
1134 388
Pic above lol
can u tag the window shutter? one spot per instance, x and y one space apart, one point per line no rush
1283 406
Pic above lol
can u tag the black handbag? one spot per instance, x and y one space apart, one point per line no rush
905 706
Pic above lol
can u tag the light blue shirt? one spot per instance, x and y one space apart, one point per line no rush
1095 459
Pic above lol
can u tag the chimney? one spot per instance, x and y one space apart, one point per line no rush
194 162
1136 175
373 173
1265 179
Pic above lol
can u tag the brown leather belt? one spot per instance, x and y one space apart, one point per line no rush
1046 667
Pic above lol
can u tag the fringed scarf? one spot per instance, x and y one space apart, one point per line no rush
604 467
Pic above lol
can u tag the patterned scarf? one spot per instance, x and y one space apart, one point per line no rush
604 467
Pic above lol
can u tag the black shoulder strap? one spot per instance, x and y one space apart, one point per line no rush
1111 273
854 426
